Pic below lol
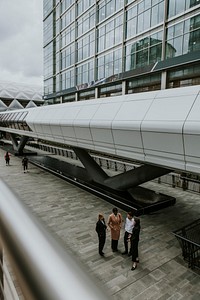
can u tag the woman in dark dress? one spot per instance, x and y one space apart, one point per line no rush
134 242
101 231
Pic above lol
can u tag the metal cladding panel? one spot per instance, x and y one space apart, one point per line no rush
170 160
127 139
54 123
131 111
192 138
102 136
169 109
167 143
41 123
85 113
84 137
105 114
192 124
104 148
82 123
56 131
32 116
101 125
45 131
133 153
46 118
67 117
68 132
192 165
162 128
126 125
192 146
68 114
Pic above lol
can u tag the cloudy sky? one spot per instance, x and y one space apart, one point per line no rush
21 41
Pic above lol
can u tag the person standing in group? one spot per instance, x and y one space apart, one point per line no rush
25 163
129 223
101 231
134 238
115 223
7 158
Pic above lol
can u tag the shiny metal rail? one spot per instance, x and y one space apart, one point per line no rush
43 268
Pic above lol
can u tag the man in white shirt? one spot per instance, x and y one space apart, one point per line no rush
129 224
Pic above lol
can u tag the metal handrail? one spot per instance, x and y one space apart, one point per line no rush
44 269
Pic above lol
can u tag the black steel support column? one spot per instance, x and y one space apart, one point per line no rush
14 141
123 181
135 177
19 146
95 171
22 144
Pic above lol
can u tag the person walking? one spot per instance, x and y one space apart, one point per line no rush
101 231
134 238
25 164
129 223
7 158
115 223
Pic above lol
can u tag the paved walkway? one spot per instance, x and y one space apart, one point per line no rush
71 214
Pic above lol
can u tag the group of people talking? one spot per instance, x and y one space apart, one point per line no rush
131 234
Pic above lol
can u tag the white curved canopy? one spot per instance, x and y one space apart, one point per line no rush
160 127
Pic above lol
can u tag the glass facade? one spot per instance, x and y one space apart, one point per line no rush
91 43
183 37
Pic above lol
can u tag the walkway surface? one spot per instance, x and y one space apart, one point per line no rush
71 214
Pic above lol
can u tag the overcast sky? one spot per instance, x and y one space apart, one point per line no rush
21 41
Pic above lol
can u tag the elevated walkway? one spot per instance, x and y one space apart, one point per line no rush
71 213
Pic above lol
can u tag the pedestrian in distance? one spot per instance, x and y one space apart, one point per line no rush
129 224
101 231
115 224
25 164
7 158
134 238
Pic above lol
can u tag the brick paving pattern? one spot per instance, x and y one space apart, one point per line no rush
71 214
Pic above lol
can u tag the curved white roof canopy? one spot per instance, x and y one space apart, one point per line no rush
159 127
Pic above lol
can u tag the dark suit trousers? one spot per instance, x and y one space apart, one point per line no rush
102 239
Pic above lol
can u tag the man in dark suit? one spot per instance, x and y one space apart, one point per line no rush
101 231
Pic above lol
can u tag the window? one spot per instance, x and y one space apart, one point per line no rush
86 22
143 52
144 84
85 73
143 15
176 7
86 46
185 76
110 64
183 37
109 7
67 79
110 34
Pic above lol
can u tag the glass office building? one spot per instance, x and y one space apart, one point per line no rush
113 47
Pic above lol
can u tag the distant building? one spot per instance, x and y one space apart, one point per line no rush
15 95
112 47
